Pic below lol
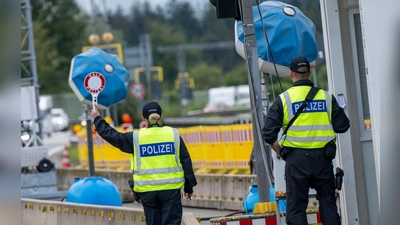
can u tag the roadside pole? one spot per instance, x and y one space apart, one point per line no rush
257 117
89 136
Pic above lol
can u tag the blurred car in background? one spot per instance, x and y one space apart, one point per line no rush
59 119
46 123
244 102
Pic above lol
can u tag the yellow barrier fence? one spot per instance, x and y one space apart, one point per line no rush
194 142
213 149
104 154
228 149
243 142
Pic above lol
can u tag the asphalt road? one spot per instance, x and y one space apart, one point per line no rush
57 139
56 144
197 212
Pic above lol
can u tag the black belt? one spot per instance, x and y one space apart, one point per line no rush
288 150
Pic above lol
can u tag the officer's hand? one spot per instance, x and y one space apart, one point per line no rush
95 112
281 157
188 196
188 191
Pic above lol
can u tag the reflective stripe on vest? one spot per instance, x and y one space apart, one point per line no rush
313 127
155 163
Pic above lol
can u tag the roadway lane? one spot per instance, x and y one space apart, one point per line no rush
57 139
55 145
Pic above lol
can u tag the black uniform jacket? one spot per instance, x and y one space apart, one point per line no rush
124 142
274 120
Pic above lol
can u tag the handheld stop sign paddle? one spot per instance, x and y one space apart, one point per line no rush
94 84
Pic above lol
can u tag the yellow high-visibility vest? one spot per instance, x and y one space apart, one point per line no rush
155 161
313 127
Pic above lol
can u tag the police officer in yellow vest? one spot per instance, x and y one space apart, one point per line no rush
160 164
305 144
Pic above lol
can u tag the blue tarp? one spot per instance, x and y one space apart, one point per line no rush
289 31
97 60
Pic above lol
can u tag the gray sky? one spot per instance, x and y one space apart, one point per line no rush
113 4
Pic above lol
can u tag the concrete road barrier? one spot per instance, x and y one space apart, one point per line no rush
39 212
215 191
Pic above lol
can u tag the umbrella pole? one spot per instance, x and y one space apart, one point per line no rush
89 139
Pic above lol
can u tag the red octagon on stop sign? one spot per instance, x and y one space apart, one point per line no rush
94 82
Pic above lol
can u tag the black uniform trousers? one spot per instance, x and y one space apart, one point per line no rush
162 207
304 169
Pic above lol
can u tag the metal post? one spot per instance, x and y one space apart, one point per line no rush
181 71
265 109
113 107
115 112
264 95
147 60
89 139
251 54
314 73
108 109
181 61
93 18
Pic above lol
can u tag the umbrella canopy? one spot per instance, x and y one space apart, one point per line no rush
115 74
290 33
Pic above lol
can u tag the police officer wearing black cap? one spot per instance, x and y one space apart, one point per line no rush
160 164
307 145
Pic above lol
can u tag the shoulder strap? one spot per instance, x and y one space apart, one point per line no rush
313 91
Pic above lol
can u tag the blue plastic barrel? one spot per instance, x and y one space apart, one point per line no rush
94 190
252 198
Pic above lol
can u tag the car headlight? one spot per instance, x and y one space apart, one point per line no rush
25 136
60 121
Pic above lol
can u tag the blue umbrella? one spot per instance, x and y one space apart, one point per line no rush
108 65
290 33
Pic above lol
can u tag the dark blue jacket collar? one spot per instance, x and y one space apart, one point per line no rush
303 83
153 125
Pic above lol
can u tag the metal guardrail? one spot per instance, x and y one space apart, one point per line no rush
40 186
194 121
217 191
